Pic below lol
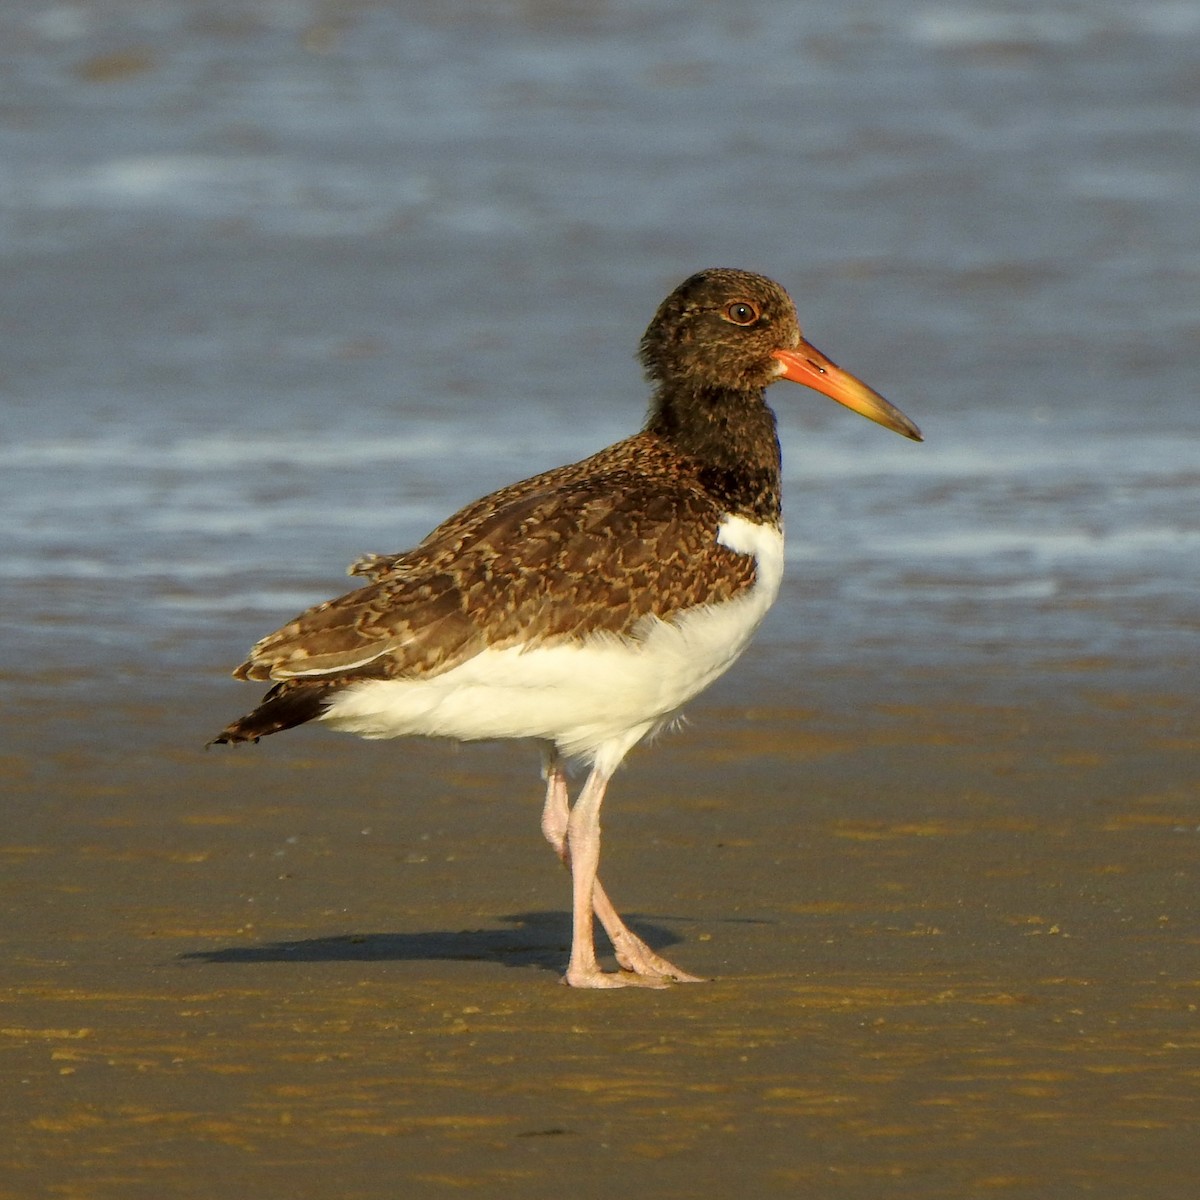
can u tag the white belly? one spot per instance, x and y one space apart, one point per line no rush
581 696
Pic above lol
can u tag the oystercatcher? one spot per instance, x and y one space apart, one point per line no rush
582 608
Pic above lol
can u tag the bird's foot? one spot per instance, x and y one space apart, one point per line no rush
593 977
640 967
635 956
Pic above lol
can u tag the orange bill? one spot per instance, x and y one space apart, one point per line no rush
807 365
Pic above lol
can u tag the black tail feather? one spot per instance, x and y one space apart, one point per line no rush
287 704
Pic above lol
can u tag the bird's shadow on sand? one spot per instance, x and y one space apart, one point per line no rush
535 939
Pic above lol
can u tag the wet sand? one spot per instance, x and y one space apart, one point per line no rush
953 944
288 283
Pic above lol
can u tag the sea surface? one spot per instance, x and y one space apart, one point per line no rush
287 282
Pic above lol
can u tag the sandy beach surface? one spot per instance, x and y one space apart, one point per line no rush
953 945
285 282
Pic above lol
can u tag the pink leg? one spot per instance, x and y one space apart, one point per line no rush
633 955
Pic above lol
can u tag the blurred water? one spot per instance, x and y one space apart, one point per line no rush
285 282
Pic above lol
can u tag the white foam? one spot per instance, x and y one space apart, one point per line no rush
959 27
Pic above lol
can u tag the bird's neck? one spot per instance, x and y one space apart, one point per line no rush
729 439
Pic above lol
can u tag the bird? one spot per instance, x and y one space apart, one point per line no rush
582 608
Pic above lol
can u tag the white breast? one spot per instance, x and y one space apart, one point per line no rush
584 696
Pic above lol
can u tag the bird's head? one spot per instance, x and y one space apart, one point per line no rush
727 330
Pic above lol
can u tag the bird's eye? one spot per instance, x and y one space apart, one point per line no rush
741 312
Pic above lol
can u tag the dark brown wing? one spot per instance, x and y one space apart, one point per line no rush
642 452
566 555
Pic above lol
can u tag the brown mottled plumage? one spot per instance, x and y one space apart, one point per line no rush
622 584
592 554
589 548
